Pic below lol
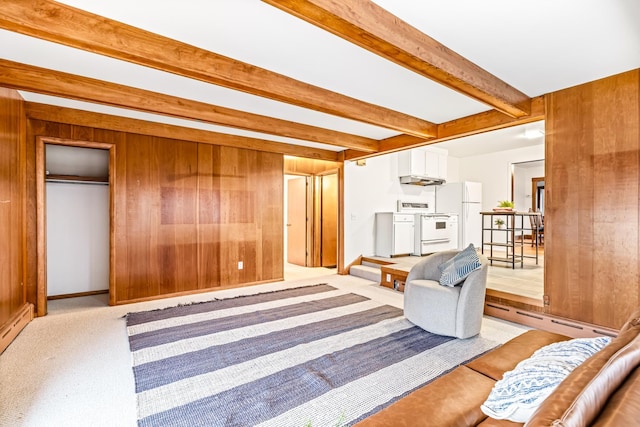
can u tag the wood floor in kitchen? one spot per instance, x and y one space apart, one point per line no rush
503 281
527 281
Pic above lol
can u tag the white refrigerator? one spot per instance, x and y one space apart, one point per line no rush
465 199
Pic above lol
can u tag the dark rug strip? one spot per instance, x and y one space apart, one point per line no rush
222 304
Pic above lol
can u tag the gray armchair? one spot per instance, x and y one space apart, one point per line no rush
452 311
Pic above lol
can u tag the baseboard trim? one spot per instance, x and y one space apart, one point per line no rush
197 291
15 325
546 322
513 300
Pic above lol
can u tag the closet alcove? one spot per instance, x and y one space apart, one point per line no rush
77 218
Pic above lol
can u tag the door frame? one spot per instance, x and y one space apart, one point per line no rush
310 167
41 215
309 216
534 192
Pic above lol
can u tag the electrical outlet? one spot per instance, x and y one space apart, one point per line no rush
240 265
388 278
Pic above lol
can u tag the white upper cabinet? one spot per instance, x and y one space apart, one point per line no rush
436 162
428 162
412 162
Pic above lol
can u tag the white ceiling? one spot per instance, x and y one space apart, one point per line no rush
510 138
536 46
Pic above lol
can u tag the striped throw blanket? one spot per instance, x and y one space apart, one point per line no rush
310 356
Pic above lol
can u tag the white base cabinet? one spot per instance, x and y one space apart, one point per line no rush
395 234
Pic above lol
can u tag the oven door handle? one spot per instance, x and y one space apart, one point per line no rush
437 241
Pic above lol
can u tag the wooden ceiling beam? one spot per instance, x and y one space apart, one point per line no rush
40 80
60 23
123 124
371 27
488 121
471 125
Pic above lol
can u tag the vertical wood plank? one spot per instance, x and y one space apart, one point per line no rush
593 200
209 245
329 220
34 127
12 291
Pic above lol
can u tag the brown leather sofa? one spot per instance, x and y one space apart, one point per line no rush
602 391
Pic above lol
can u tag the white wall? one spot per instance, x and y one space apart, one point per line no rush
453 169
81 161
373 188
77 238
494 172
522 176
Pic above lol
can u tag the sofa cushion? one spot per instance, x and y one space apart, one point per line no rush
582 395
623 407
456 269
505 358
517 395
451 400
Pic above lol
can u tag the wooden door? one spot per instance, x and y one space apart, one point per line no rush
329 220
297 221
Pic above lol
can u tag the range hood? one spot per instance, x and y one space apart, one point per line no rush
421 180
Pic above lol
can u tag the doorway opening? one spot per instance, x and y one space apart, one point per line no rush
74 214
537 194
311 220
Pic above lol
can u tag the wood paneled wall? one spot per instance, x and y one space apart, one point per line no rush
303 166
12 129
592 212
186 213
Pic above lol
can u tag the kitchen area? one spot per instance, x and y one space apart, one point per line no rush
447 218
374 188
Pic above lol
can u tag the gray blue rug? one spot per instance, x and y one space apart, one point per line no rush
311 356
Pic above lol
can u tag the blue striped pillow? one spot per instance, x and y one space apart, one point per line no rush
456 269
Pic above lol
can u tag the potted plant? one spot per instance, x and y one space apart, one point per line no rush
504 206
499 222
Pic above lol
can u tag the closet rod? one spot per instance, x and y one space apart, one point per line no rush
74 181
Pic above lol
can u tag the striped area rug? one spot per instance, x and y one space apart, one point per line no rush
311 356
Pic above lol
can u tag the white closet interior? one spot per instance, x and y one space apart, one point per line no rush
77 216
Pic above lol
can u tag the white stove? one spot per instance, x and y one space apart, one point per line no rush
433 232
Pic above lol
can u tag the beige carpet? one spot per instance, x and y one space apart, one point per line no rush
73 366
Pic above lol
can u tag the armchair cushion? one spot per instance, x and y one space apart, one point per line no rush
456 269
